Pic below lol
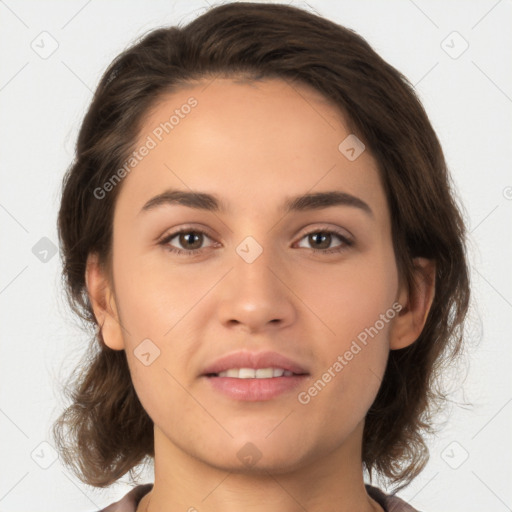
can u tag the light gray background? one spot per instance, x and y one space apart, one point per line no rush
42 102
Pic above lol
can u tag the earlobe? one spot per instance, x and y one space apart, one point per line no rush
103 303
416 304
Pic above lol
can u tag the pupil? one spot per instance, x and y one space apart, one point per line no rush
188 238
322 237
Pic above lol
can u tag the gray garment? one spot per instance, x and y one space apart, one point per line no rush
388 502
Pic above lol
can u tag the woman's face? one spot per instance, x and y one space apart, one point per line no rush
254 288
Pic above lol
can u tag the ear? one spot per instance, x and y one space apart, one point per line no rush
416 304
103 303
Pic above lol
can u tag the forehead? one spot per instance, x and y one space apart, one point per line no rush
241 109
258 140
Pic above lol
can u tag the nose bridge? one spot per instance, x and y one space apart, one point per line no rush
255 269
254 294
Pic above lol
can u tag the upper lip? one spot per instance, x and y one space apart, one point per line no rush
254 360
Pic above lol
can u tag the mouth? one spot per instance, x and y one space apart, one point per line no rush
254 373
254 376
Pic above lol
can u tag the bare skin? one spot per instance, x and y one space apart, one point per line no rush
254 146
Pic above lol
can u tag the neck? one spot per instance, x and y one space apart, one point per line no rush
333 481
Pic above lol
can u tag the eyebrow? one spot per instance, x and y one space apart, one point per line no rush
304 202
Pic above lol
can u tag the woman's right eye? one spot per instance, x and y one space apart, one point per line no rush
191 238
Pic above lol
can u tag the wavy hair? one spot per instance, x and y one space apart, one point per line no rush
105 432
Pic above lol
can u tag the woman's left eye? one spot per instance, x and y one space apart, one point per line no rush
321 240
191 241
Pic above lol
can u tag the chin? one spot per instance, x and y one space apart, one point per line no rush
257 455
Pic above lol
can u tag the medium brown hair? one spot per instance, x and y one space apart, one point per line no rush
105 432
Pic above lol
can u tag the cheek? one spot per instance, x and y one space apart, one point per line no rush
161 396
351 296
355 303
154 296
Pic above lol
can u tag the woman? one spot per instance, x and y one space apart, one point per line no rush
259 222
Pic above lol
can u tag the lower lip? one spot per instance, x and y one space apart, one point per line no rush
253 390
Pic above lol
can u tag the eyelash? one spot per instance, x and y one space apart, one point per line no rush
338 249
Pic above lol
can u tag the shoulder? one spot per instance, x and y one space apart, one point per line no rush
389 502
130 501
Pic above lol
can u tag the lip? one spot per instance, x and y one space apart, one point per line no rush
254 360
255 390
252 390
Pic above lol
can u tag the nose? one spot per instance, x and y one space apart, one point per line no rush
256 296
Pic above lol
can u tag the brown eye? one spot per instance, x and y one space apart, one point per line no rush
187 242
321 241
190 240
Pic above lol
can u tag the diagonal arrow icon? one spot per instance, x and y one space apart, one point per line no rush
351 147
147 352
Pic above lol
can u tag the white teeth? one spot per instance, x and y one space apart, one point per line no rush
251 373
264 373
246 373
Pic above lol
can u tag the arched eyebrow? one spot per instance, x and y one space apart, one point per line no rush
300 203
